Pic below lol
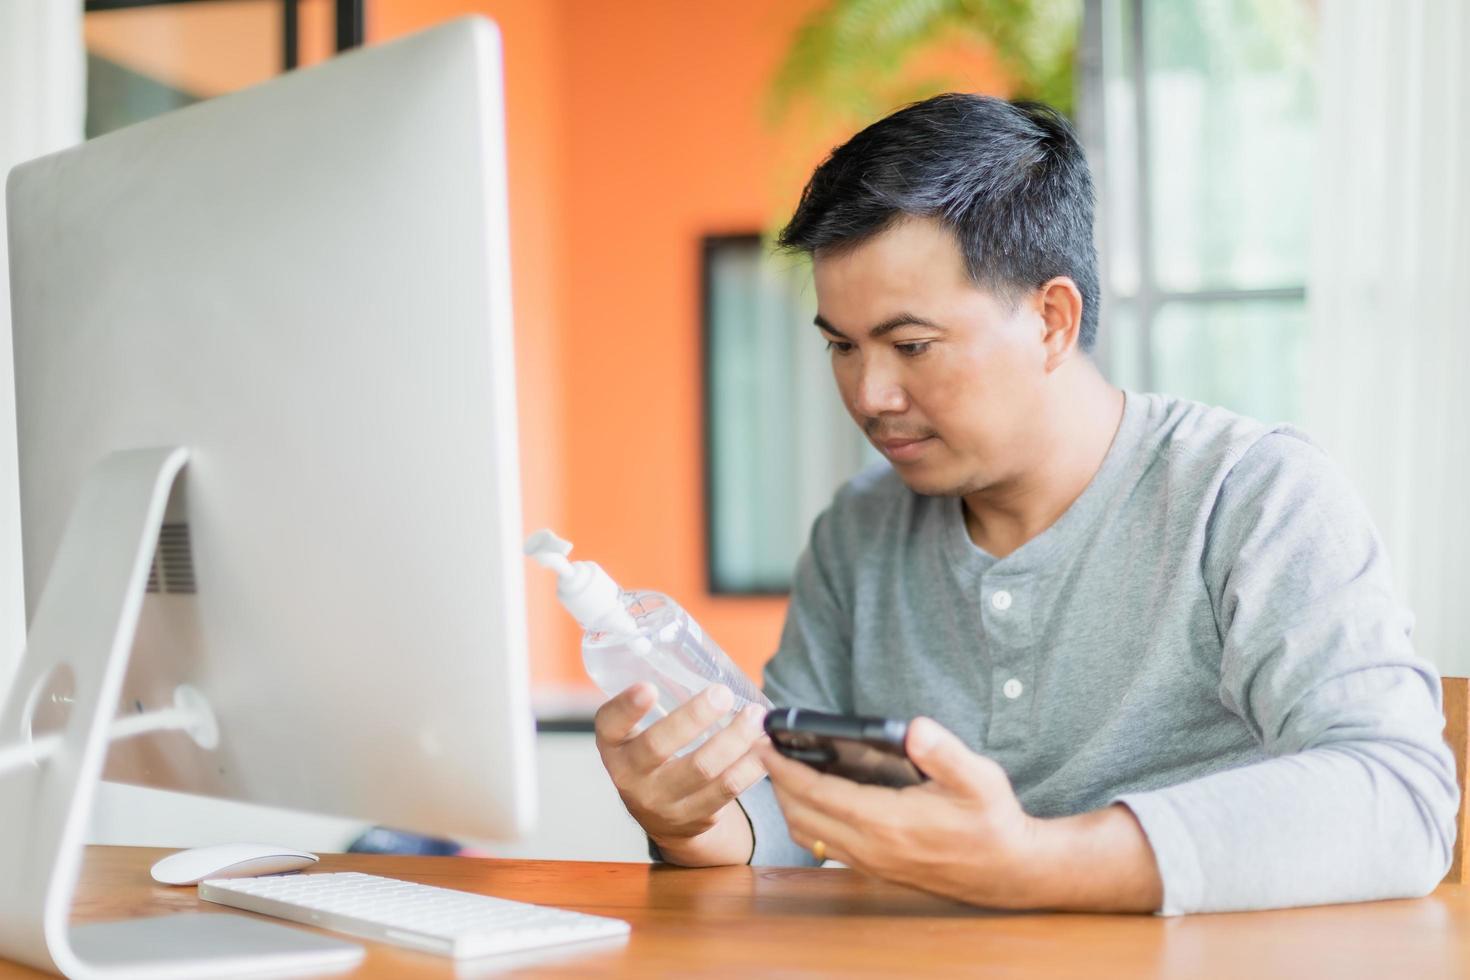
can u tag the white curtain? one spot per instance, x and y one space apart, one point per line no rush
1388 392
42 107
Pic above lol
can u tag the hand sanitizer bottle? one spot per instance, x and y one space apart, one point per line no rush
639 636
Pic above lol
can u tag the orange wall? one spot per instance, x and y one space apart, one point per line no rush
666 143
635 128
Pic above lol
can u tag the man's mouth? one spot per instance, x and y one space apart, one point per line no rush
905 449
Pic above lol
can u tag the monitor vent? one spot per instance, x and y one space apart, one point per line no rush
173 563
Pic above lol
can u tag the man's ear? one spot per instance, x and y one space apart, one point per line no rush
1059 302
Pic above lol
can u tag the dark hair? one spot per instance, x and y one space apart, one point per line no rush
1009 178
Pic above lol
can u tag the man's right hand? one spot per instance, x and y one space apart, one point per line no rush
685 803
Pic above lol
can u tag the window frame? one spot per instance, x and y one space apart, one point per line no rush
708 246
349 20
1146 302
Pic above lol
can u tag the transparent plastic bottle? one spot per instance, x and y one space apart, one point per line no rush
640 636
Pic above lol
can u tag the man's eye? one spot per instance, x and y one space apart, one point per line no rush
839 346
914 349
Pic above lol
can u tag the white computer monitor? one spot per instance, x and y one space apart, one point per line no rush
297 297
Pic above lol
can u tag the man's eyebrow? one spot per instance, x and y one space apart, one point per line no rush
887 326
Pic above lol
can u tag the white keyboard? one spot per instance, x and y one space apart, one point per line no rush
435 920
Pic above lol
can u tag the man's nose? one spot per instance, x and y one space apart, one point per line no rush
878 391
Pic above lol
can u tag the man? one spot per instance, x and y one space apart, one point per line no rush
1155 643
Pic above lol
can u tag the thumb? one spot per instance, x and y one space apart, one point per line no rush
942 757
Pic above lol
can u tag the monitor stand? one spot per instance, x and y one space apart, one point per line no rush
65 694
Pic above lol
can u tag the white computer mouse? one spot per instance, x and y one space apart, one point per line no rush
229 861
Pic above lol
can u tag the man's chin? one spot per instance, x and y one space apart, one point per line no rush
932 481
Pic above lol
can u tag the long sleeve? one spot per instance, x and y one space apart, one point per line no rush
1358 797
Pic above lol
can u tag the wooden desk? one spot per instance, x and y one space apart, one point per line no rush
760 923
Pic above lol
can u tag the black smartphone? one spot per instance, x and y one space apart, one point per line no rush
865 750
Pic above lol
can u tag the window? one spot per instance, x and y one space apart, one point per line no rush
146 57
1203 160
1198 115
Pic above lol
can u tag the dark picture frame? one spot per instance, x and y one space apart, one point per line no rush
709 247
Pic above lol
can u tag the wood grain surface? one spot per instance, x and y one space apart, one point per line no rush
768 923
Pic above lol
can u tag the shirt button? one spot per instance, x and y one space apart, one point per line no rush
1000 600
1012 689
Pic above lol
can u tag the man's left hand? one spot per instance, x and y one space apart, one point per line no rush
963 834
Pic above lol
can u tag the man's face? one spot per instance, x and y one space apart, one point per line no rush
945 378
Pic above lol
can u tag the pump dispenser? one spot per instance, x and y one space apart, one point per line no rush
639 636
585 590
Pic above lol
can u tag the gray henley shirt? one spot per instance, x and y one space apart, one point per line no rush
1208 635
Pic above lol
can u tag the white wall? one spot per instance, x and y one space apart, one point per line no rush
580 816
42 107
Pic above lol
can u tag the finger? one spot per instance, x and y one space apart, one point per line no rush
942 757
808 825
619 716
683 725
708 763
739 777
840 798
